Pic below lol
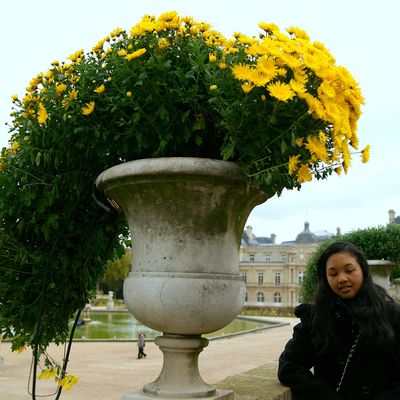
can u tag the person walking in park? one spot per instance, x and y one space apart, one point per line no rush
349 335
141 343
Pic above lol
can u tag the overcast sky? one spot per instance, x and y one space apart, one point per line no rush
361 34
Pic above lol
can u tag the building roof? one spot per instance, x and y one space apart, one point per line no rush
304 237
255 240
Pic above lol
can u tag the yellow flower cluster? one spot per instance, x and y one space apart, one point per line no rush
65 381
288 67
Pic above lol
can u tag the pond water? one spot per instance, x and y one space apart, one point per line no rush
121 325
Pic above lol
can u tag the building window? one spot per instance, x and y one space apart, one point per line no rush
260 297
246 298
277 297
268 257
283 257
301 276
244 277
260 278
251 257
277 278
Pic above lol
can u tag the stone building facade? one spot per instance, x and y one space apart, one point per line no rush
273 273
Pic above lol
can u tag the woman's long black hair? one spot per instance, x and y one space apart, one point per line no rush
371 312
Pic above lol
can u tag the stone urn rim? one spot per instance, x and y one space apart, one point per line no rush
160 166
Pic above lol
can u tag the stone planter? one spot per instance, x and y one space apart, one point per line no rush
396 283
380 271
186 217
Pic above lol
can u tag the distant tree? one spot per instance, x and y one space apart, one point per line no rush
115 273
381 243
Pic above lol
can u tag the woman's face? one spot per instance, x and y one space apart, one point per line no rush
344 275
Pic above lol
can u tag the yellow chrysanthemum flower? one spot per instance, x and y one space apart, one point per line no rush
316 147
297 87
247 87
267 66
68 381
75 56
304 174
121 52
354 141
346 156
135 54
35 82
129 94
339 170
99 46
21 348
42 115
60 89
163 43
48 373
65 104
322 137
117 32
15 147
258 78
88 108
269 27
293 161
326 89
74 79
298 33
213 87
100 89
365 154
281 91
242 72
73 94
212 58
314 105
168 16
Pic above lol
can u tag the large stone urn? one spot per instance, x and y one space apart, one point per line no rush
186 217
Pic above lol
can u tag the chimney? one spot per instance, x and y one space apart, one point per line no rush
249 232
273 238
392 216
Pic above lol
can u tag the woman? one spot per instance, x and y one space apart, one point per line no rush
350 336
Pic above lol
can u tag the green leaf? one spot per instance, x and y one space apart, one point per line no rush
37 160
283 147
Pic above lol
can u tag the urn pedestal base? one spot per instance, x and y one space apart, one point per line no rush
219 395
180 377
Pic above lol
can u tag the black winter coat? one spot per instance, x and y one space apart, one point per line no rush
368 376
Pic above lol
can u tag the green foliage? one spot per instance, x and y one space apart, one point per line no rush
378 243
115 273
310 278
54 241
